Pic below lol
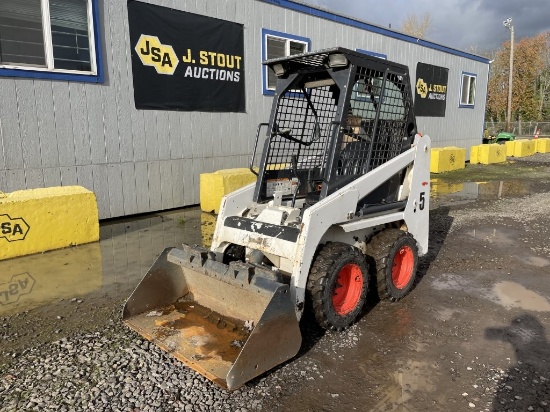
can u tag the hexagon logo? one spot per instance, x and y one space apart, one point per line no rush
13 229
153 53
19 285
422 88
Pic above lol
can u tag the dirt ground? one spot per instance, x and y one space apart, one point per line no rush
472 335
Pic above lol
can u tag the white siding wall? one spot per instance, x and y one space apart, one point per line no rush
64 133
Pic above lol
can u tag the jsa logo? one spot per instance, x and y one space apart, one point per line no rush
18 285
153 53
13 229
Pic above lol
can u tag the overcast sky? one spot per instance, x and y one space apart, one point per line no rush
455 23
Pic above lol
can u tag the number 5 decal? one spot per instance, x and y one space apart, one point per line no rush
422 200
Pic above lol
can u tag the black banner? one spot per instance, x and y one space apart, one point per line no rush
185 61
431 90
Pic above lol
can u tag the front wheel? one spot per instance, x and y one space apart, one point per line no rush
394 260
337 285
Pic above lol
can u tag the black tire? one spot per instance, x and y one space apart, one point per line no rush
393 259
234 253
335 262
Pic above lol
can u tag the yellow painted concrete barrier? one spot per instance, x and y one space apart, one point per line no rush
446 159
214 186
487 154
524 148
38 220
510 147
542 145
208 225
475 154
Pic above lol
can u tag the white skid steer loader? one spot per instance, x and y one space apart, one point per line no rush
342 198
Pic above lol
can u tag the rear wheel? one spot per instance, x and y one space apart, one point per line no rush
234 253
337 285
394 260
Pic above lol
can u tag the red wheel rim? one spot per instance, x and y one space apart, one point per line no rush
403 264
347 289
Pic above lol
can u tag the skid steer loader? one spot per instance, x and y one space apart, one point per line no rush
340 203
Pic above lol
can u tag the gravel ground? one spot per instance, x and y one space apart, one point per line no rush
452 345
114 369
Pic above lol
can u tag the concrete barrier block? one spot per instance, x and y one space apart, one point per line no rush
474 154
38 220
446 159
214 186
490 153
510 147
208 225
542 145
524 148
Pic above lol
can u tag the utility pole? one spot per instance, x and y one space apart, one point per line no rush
508 24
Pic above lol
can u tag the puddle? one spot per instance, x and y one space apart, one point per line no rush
446 314
111 267
448 281
505 293
499 236
536 261
33 280
413 377
513 295
506 237
481 190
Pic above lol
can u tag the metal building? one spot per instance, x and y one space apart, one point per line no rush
70 87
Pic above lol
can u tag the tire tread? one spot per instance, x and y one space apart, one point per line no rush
326 257
378 250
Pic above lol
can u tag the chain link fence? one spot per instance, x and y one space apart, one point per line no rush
525 129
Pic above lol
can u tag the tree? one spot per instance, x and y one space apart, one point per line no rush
417 26
475 49
531 79
544 88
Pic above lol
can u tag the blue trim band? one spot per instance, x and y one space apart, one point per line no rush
33 74
86 78
374 54
312 11
268 32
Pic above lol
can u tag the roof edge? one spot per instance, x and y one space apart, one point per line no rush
361 24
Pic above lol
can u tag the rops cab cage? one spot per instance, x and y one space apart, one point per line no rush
337 114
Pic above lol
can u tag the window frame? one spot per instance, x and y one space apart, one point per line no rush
360 95
96 55
460 101
280 35
371 53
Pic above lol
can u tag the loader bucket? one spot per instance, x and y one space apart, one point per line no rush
230 322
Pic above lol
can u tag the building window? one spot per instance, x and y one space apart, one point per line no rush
50 39
371 53
468 90
274 45
376 83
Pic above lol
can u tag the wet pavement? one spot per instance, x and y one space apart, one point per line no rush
472 335
111 267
